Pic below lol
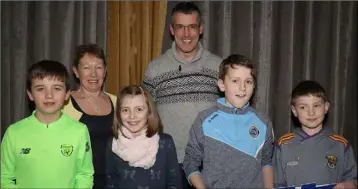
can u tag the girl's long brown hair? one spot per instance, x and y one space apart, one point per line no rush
154 123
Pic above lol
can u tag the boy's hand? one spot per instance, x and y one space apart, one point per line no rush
197 181
346 185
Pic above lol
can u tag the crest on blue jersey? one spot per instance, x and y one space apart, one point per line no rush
331 161
254 131
66 149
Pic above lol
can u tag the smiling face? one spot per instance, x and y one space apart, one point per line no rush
91 72
310 111
186 29
48 94
238 85
134 113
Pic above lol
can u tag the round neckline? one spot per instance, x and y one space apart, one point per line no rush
78 108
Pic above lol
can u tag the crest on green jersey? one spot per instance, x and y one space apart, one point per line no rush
66 149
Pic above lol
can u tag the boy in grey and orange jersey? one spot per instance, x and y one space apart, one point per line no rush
313 153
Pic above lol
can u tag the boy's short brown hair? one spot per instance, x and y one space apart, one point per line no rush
236 60
308 87
47 68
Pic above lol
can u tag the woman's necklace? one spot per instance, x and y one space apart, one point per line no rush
94 106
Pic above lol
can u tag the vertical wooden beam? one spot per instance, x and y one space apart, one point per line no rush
135 35
113 47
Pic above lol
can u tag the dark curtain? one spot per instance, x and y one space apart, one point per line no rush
32 31
289 41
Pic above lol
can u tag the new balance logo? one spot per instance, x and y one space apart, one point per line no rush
25 151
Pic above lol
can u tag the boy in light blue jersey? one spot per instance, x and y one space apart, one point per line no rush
231 140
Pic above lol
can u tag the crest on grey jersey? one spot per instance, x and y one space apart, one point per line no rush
331 161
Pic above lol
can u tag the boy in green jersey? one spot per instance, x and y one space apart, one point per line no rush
47 149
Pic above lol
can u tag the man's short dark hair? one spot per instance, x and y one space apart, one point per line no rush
186 7
48 68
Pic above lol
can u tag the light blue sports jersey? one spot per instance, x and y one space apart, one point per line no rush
233 144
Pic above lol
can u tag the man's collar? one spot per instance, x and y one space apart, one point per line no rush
181 59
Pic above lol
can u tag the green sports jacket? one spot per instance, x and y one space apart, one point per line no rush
36 155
